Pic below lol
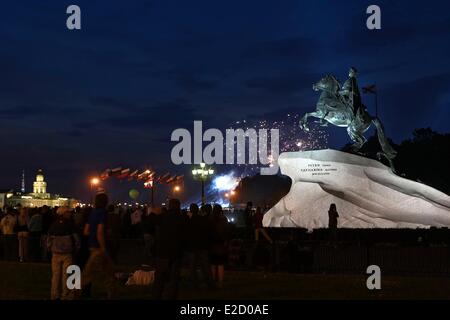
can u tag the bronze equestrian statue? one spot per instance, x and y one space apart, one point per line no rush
343 107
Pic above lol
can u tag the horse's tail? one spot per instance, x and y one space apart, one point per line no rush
388 150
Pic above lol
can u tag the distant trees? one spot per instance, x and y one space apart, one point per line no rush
424 158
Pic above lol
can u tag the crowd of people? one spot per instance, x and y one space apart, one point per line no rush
89 237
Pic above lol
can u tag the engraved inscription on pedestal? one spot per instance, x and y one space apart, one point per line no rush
319 169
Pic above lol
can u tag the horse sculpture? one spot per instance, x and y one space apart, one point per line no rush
335 108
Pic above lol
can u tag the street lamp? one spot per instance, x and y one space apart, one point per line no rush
202 173
93 182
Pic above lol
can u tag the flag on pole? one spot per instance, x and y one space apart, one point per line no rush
133 175
370 89
171 179
124 173
164 178
116 171
105 175
144 174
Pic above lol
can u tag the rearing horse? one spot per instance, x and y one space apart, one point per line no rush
333 108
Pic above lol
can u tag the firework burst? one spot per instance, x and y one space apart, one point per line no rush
292 137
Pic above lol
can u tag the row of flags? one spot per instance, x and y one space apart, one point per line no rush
148 176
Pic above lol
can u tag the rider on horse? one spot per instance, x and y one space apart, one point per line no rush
350 92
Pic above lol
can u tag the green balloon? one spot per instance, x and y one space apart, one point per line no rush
134 194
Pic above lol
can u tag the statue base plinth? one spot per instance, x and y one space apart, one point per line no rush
367 194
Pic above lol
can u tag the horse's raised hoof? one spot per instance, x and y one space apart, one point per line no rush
303 126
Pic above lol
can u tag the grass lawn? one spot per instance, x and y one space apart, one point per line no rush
32 281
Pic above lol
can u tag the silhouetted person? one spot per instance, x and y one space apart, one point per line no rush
169 248
219 247
23 233
113 233
47 219
35 228
333 221
82 255
8 226
99 258
199 241
149 221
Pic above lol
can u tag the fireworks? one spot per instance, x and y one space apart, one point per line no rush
225 182
292 137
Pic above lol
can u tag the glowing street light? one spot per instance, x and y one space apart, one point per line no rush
93 182
203 173
176 188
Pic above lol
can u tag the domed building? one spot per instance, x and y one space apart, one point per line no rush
40 186
39 197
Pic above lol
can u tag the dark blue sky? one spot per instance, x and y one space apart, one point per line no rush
77 102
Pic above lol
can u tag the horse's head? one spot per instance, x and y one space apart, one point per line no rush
328 83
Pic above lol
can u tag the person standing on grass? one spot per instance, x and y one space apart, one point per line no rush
7 225
22 234
136 223
99 259
63 242
333 216
46 222
170 239
148 228
35 234
219 247
113 233
198 229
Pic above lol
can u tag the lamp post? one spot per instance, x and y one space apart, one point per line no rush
93 182
151 185
203 173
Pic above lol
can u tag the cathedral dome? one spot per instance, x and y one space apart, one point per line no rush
40 176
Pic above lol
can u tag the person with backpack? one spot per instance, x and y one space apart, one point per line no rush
63 242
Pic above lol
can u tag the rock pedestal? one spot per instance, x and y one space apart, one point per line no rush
367 194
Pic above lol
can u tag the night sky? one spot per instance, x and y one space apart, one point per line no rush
77 102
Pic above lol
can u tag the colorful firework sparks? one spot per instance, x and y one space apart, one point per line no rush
225 182
292 137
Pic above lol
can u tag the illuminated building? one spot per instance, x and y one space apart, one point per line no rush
39 197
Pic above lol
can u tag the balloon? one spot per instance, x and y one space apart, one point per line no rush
134 194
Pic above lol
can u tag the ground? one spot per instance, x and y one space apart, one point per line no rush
32 281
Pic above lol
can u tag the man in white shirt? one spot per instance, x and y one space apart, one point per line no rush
7 225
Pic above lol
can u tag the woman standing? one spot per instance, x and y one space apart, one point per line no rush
22 234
